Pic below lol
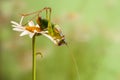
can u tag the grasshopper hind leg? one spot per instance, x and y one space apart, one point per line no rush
48 17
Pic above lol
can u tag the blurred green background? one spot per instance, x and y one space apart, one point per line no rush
92 30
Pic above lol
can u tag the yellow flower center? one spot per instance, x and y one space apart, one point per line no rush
32 28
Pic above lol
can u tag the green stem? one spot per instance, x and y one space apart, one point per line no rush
34 59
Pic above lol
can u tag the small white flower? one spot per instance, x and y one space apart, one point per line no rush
30 30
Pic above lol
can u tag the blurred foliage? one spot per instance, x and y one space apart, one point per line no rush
92 30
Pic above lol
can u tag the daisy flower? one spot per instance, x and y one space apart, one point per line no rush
31 29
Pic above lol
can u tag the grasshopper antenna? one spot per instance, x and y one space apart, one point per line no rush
75 64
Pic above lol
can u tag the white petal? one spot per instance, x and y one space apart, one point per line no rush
24 33
18 29
31 35
17 26
21 20
51 38
35 31
37 25
15 23
14 26
31 23
43 32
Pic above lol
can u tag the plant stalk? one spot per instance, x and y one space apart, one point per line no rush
33 59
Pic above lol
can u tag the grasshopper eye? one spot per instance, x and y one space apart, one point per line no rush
61 42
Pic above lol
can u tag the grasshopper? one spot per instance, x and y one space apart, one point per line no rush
46 25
